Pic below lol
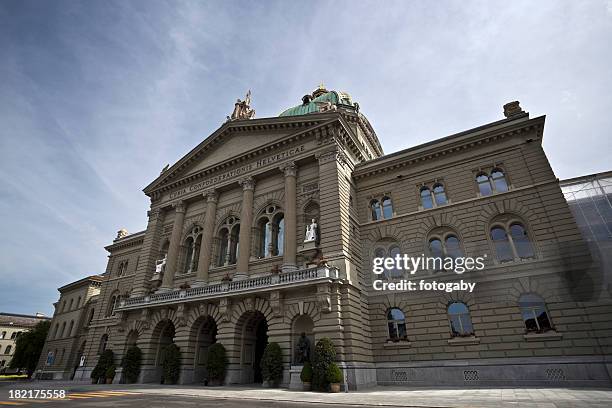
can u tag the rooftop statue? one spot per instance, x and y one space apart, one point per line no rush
242 109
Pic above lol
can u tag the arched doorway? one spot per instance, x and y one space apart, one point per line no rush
163 336
77 363
253 331
302 324
203 334
132 339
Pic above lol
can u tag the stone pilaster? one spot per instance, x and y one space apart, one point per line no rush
173 250
246 221
149 252
207 237
290 245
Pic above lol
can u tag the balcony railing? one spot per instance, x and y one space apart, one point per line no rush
261 283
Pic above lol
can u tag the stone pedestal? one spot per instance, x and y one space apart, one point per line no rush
295 383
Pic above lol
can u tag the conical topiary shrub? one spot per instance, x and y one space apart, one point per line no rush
272 365
171 364
324 355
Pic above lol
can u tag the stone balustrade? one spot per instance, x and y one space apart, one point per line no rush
256 284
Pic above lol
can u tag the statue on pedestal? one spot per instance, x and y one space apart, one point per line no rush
160 265
302 349
311 231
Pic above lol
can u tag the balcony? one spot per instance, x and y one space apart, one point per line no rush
281 280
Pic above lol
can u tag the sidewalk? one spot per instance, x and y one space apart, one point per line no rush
377 396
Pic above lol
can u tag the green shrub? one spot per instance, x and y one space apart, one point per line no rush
306 374
111 370
216 363
334 374
171 364
324 355
272 363
131 364
104 362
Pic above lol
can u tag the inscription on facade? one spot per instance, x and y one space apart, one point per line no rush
200 185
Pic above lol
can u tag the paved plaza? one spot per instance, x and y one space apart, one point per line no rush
155 395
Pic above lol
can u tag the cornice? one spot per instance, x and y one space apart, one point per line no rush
126 242
451 144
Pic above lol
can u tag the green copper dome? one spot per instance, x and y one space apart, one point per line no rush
321 100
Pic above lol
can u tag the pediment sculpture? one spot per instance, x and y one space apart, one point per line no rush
242 109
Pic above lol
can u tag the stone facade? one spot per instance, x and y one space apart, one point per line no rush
223 257
66 342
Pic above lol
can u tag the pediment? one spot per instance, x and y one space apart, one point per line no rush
232 140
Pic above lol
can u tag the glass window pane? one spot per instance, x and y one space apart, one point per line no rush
435 248
392 330
376 212
280 240
439 194
543 320
499 180
502 245
426 200
401 330
484 186
453 249
466 323
387 208
455 325
457 308
394 272
521 241
395 314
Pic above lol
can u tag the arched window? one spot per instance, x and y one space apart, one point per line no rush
375 210
426 200
7 350
63 330
191 250
521 241
498 179
228 241
103 342
112 304
494 183
384 249
79 302
271 232
439 194
503 249
56 331
535 315
70 306
70 328
484 185
91 316
513 245
387 208
396 323
444 243
460 320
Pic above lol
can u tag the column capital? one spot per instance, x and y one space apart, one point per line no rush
247 183
211 195
179 206
289 168
326 157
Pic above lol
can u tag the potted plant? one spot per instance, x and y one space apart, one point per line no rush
110 372
98 375
131 364
306 376
216 364
171 364
334 377
272 365
324 355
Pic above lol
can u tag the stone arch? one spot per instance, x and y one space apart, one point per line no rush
529 284
508 206
302 326
225 212
442 219
273 198
164 314
131 339
202 334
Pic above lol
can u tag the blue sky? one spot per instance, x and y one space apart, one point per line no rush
96 97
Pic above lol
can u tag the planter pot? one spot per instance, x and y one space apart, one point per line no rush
109 380
334 387
306 386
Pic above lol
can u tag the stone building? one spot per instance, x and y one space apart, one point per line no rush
268 228
67 338
11 327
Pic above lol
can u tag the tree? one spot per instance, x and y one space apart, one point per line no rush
216 362
29 346
107 359
272 364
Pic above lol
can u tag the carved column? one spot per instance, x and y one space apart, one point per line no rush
290 249
207 237
173 250
246 220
